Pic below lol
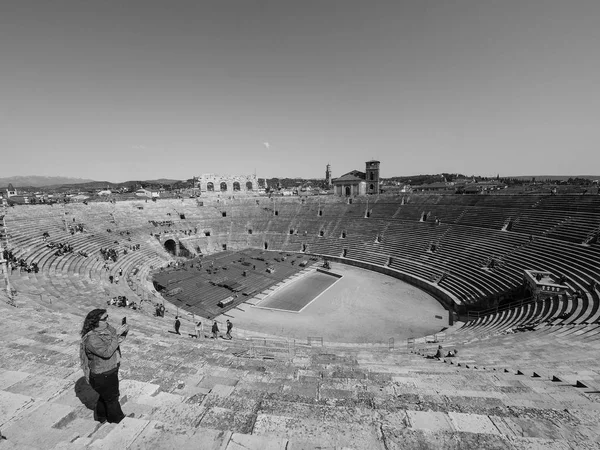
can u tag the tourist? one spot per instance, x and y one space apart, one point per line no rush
215 330
100 356
437 355
198 329
177 324
229 328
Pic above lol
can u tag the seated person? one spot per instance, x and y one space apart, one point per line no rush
439 354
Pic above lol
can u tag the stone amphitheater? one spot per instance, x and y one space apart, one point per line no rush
537 389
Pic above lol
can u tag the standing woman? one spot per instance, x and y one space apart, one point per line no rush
100 358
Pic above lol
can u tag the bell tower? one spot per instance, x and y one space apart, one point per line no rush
328 175
372 176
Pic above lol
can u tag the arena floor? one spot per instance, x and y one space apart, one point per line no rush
362 307
299 293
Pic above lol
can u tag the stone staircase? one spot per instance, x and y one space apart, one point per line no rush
196 393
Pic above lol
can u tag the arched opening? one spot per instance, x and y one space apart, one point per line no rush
348 191
321 233
249 231
266 245
249 186
344 234
345 253
276 212
171 246
320 212
371 178
210 187
223 186
224 246
371 186
236 186
304 248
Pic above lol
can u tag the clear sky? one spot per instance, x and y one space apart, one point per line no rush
120 90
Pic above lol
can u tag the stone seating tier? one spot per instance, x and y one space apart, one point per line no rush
193 393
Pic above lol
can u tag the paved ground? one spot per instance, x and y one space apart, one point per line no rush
363 307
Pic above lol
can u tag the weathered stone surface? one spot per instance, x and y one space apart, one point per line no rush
209 381
429 420
406 438
523 443
12 405
40 386
162 436
473 423
328 433
228 420
181 414
122 435
50 417
250 442
10 377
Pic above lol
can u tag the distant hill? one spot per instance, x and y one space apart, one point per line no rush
34 181
38 181
555 177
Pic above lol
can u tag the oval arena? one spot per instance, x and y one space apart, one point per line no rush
411 273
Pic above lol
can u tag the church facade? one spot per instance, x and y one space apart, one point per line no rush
358 183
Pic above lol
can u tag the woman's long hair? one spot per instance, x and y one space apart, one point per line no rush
92 320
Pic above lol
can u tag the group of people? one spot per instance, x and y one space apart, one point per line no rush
20 264
61 248
161 223
199 329
440 353
122 302
160 310
76 229
109 254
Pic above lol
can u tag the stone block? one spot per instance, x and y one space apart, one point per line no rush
40 386
252 442
161 436
11 405
133 389
122 435
10 377
473 423
429 420
209 381
221 390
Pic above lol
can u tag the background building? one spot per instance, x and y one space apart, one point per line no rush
357 182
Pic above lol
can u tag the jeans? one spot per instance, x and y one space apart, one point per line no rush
106 385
